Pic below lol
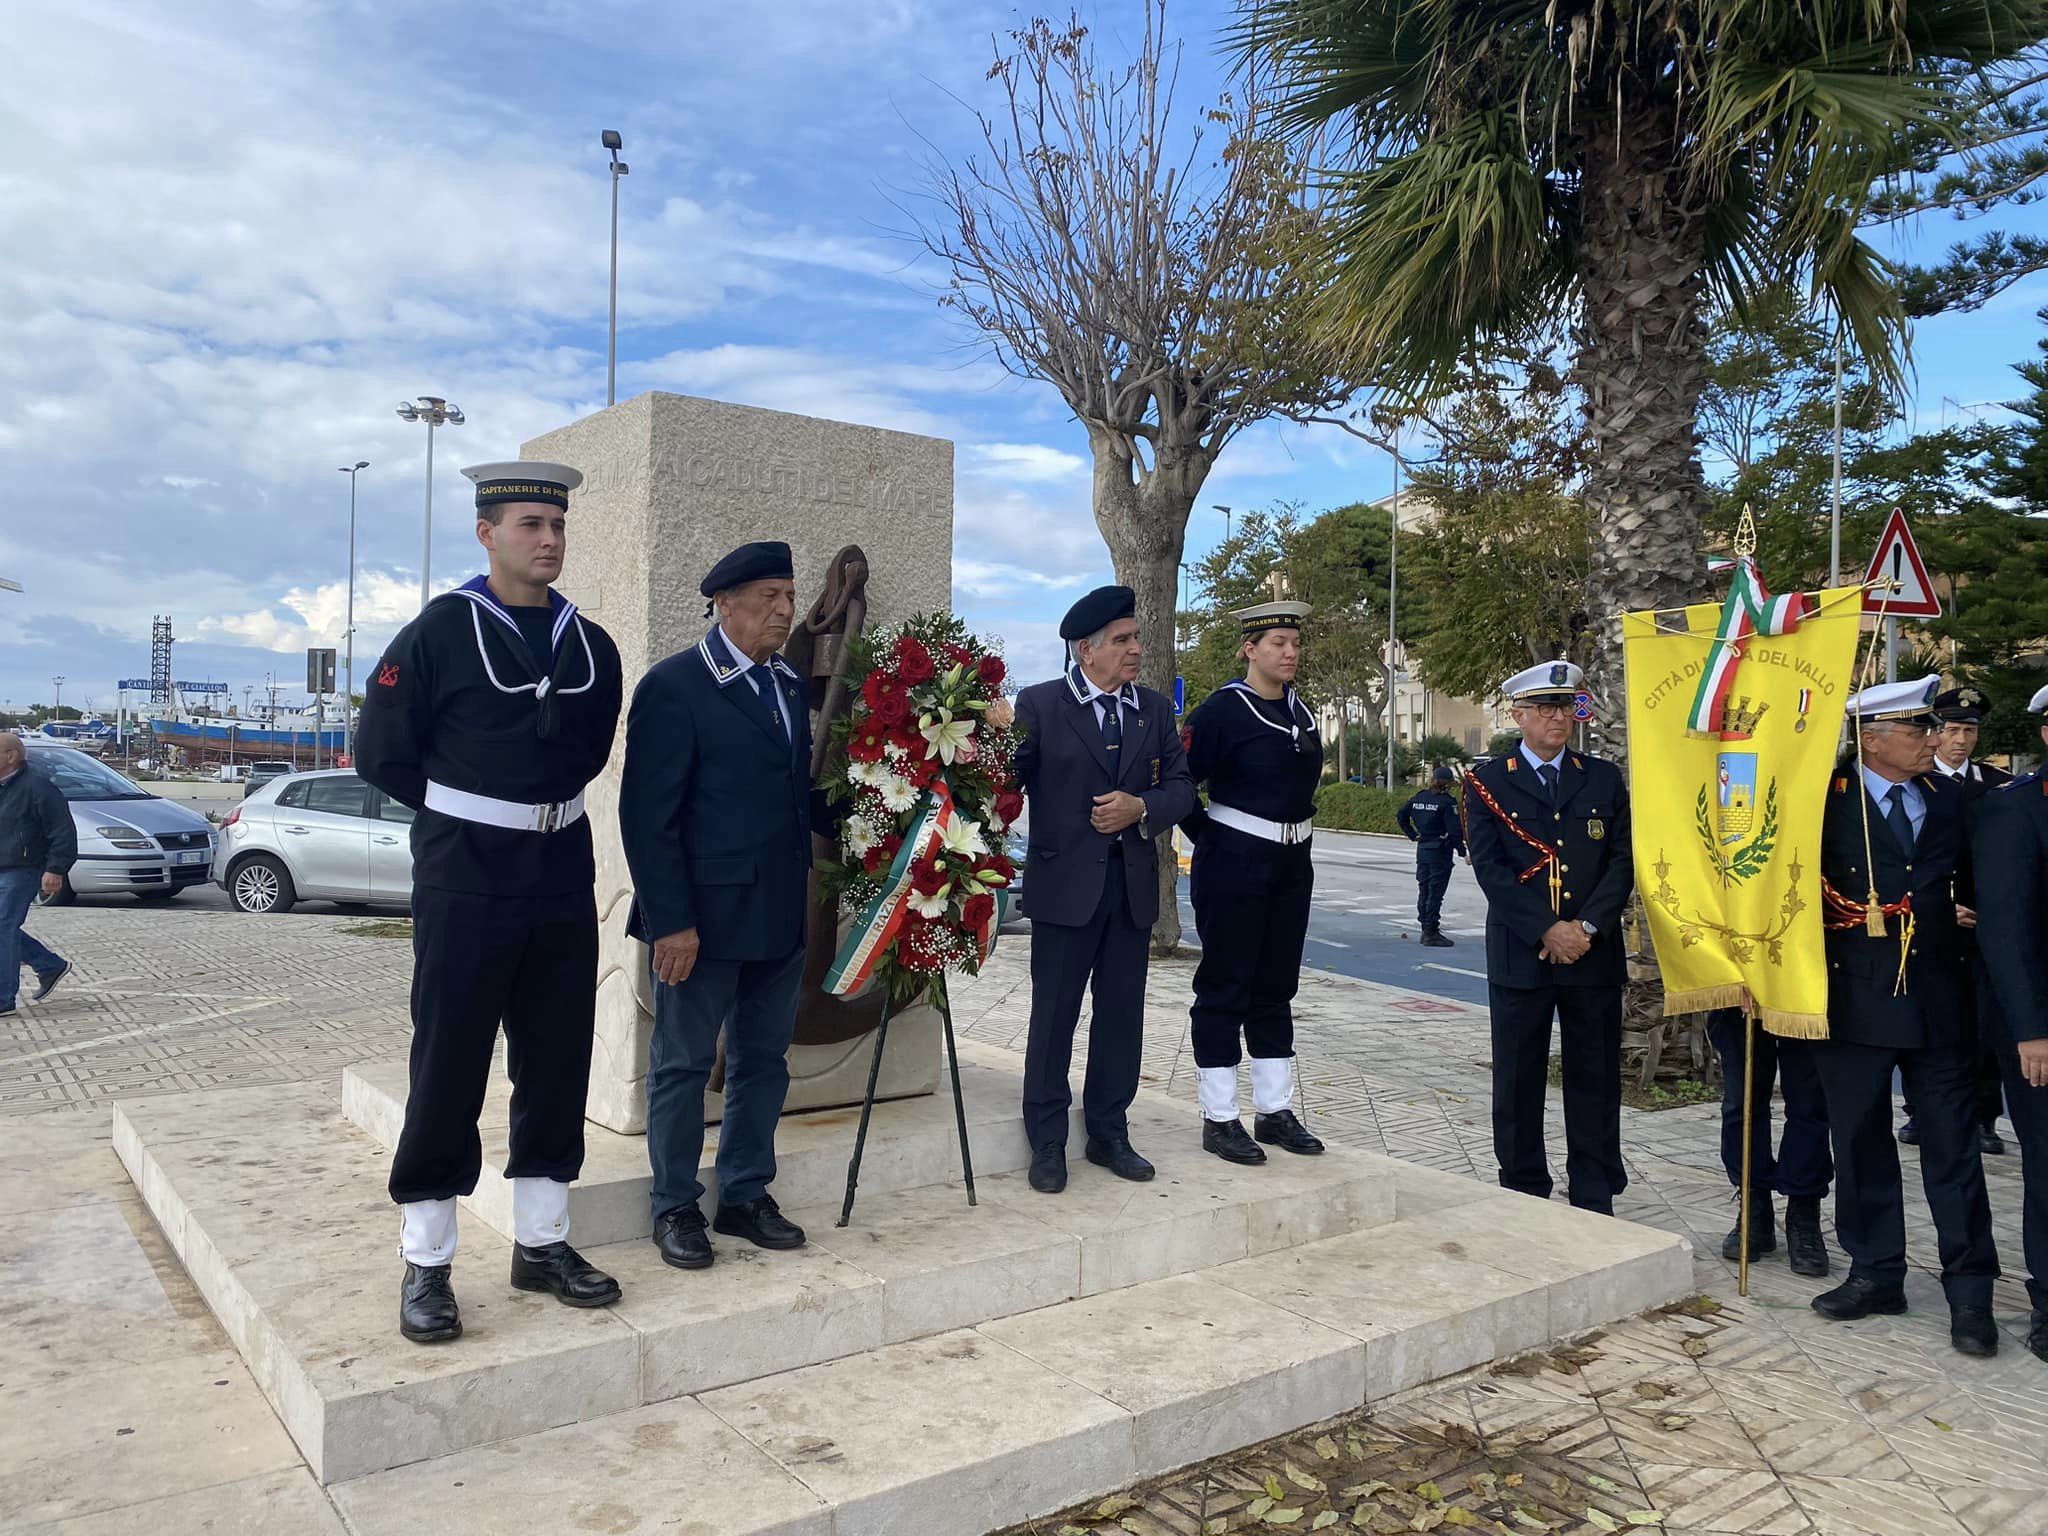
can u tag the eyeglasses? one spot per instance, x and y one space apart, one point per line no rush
1547 711
1909 727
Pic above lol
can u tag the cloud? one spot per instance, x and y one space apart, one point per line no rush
1032 462
384 601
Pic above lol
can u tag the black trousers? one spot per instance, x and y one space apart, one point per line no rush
530 964
1870 1212
1107 956
2029 1107
1432 879
1589 1023
1251 900
1802 1166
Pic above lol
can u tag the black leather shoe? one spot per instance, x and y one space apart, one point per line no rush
680 1236
1804 1245
427 1313
1763 1229
564 1274
2037 1335
1989 1142
1909 1133
1226 1138
1049 1170
1280 1129
1856 1297
761 1222
1973 1332
1435 938
1120 1158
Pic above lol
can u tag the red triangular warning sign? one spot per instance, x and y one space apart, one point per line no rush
1898 560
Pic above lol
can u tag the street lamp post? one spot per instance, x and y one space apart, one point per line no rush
348 630
1226 519
1393 587
435 412
57 710
612 142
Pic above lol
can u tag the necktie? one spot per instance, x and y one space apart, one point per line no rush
764 689
1901 823
1547 772
1112 724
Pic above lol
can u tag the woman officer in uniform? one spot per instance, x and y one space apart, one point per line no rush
1253 743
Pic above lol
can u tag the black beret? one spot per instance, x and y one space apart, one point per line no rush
1095 612
765 561
1963 705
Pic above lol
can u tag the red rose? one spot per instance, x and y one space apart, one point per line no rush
1009 806
927 878
960 656
913 661
992 672
892 709
976 910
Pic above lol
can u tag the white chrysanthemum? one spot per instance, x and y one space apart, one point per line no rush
896 793
928 906
860 837
866 773
963 838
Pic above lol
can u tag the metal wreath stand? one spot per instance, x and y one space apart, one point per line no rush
943 1002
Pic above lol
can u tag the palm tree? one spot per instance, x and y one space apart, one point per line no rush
1631 166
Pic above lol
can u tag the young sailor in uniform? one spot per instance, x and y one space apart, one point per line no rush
1254 743
487 716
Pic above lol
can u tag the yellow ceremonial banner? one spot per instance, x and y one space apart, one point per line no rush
1734 715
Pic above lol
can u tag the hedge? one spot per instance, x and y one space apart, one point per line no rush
1360 807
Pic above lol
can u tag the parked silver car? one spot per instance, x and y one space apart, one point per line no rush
129 840
322 836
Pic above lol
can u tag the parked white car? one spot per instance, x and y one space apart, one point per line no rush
323 836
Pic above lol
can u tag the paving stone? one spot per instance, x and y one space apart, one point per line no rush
285 1503
1850 1507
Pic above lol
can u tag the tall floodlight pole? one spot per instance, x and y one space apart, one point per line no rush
1393 577
1835 514
348 627
612 142
57 709
435 412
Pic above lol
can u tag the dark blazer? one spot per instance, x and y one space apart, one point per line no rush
1063 766
36 831
714 806
2009 855
1934 1008
1589 827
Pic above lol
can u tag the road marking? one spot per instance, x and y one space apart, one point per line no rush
1455 970
1331 942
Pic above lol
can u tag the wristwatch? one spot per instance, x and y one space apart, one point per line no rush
1591 931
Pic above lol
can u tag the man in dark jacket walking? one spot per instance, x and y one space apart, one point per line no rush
38 846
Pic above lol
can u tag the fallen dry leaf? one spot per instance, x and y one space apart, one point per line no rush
1282 1516
1600 1517
1323 1521
1259 1506
1273 1489
1675 1420
1110 1508
1513 1480
1644 1517
1695 1346
1652 1389
1303 1481
1326 1448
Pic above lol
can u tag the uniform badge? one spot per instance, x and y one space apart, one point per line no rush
1596 829
387 676
1558 674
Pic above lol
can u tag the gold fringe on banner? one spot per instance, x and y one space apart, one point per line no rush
1795 1026
1701 999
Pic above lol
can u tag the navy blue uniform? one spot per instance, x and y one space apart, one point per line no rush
2009 844
1921 1029
1801 1167
1431 820
1527 841
504 919
1261 757
1092 897
714 810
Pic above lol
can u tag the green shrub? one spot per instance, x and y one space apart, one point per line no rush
1359 807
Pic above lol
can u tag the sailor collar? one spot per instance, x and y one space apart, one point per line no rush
1296 710
1085 692
482 600
726 668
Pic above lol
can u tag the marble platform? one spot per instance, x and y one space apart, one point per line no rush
929 1369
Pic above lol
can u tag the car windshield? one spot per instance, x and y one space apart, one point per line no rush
79 777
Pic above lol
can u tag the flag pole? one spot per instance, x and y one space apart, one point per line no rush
1748 1083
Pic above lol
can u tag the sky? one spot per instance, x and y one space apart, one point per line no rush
234 237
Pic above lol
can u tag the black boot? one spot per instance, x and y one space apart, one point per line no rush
2037 1334
1281 1129
1857 1297
1434 938
1909 1133
1226 1138
564 1274
427 1313
1804 1245
1763 1229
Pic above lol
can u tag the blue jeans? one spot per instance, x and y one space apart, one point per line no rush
754 1003
18 889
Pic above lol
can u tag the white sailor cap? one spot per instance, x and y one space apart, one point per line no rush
1894 701
2038 704
1550 680
1284 615
524 480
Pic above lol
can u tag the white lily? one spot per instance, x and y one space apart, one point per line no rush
947 736
962 838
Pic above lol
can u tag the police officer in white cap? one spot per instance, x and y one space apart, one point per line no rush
1547 831
2009 840
1895 881
487 716
1254 743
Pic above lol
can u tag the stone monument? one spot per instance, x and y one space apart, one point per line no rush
670 484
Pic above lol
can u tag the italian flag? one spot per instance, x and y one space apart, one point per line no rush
1749 610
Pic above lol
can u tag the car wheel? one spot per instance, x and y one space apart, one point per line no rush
261 884
163 895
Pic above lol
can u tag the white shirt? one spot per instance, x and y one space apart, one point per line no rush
1124 698
1968 771
761 675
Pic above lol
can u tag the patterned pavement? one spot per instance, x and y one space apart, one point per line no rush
1757 1417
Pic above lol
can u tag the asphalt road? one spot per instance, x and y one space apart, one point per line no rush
1363 923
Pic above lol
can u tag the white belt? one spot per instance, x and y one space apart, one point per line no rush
514 815
1258 826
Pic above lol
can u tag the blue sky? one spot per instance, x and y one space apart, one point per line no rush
232 238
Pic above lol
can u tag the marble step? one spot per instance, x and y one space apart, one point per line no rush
276 1205
978 1428
911 1142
